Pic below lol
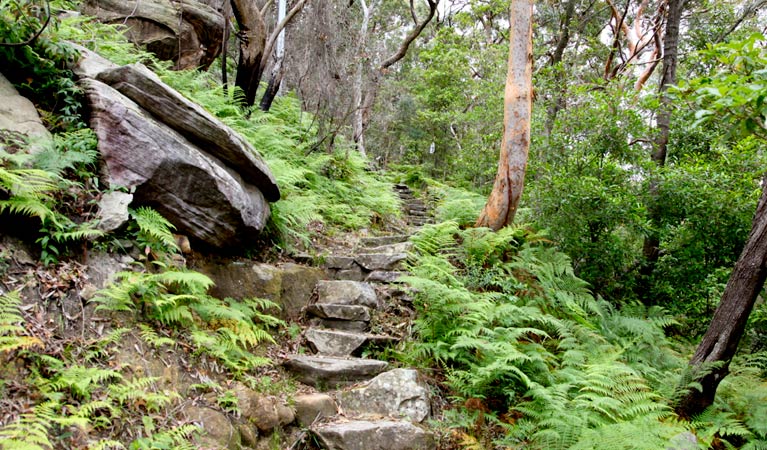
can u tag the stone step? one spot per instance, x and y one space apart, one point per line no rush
373 435
380 261
328 373
341 325
391 249
384 276
345 292
342 343
339 312
377 241
400 393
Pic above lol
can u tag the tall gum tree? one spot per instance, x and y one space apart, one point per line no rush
504 199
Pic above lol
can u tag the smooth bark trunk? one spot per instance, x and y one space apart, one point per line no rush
252 36
518 99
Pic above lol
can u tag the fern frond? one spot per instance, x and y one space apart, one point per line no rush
11 331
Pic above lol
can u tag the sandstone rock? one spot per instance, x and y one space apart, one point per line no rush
380 261
333 342
379 435
264 414
377 241
285 414
312 407
352 274
218 430
392 249
248 434
344 292
297 286
189 33
396 393
338 262
383 276
208 133
19 115
324 372
113 210
193 190
342 325
241 280
340 312
683 441
90 64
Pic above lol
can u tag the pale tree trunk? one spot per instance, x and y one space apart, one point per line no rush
363 103
275 80
710 363
518 100
358 124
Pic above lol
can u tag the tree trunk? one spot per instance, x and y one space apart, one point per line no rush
558 102
252 37
518 100
272 89
650 248
721 340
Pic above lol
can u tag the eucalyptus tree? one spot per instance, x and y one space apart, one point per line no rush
518 101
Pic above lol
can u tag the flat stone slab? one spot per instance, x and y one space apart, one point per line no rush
341 343
340 312
377 241
392 249
337 262
346 292
383 276
380 261
397 393
375 435
342 325
325 372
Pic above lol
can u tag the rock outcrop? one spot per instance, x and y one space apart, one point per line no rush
19 117
198 173
189 33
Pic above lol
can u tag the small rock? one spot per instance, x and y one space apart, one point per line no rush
338 262
311 407
248 434
113 210
353 274
285 414
383 276
265 415
88 291
377 241
218 430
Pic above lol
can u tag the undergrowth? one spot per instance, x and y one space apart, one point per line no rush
533 360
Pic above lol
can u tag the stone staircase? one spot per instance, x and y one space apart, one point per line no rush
361 403
416 211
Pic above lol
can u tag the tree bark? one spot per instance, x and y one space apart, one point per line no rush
721 340
518 100
650 247
558 102
252 37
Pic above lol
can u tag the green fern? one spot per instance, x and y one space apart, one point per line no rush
12 332
154 230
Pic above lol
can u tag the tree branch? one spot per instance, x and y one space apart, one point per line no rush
414 33
273 37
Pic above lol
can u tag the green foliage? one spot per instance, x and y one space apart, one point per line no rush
39 69
509 323
224 329
154 231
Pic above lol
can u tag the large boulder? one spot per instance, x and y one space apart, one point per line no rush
145 88
18 116
190 33
194 190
